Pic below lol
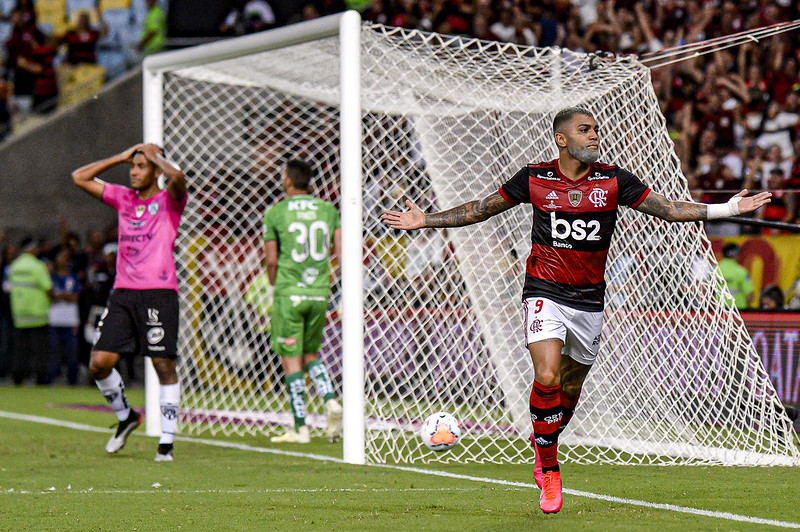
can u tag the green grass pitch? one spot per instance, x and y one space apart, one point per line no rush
58 477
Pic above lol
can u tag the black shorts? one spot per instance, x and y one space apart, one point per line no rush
139 321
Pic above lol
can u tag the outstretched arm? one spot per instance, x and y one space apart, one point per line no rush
84 177
683 211
466 214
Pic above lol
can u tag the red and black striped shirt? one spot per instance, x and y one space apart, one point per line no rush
573 222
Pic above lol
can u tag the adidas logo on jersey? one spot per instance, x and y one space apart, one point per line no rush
552 195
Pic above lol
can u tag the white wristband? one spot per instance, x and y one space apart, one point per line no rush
723 210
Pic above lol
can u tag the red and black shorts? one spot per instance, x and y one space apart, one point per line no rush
139 322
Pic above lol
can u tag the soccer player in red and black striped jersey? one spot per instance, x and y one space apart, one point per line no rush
575 201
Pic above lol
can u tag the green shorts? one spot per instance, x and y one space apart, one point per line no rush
297 323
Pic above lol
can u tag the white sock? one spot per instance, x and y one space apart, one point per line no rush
113 390
170 400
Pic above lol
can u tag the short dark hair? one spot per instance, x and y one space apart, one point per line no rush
565 115
730 250
774 293
300 172
148 160
27 243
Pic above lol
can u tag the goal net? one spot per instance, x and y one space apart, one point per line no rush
447 120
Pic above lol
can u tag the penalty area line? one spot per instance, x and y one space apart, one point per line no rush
433 472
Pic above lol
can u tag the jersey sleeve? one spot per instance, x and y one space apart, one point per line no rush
268 230
177 206
631 189
336 219
112 194
517 189
45 281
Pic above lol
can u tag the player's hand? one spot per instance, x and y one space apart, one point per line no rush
151 151
127 155
413 218
749 204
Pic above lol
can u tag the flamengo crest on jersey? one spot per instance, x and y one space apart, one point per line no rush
573 222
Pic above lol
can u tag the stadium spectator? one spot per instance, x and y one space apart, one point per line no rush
378 12
248 16
9 253
782 208
64 319
298 234
771 298
30 288
154 31
5 111
774 128
45 86
503 28
81 41
774 160
100 276
736 276
406 15
564 305
26 10
19 50
142 311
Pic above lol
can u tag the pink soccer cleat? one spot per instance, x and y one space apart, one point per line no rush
537 463
550 500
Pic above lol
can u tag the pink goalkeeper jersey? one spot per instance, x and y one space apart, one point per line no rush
147 231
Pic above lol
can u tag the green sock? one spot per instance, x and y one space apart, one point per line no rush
296 386
319 376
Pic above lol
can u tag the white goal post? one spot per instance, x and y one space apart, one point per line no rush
348 27
430 320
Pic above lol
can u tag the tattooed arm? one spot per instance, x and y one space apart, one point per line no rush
683 211
469 213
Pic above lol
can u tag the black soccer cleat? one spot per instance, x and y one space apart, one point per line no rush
124 429
164 453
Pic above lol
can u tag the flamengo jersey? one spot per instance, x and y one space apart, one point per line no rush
572 226
147 232
303 226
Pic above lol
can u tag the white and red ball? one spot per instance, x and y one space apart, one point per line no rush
440 431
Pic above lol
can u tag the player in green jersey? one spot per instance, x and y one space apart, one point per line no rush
298 233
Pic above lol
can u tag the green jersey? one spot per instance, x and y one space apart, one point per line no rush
303 226
738 280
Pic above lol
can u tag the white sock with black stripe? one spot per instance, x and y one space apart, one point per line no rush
170 400
113 390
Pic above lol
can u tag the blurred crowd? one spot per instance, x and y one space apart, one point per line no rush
53 294
734 115
41 61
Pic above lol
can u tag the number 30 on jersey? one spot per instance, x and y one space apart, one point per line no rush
313 240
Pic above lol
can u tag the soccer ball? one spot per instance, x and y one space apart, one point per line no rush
440 432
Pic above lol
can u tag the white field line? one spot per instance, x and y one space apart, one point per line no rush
158 490
509 484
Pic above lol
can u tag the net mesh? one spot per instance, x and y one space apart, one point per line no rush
447 120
